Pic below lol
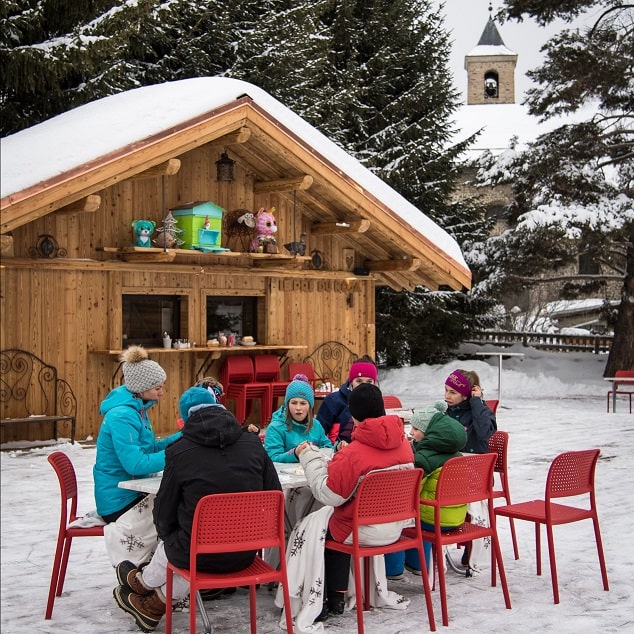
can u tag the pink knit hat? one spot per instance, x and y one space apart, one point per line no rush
459 382
362 368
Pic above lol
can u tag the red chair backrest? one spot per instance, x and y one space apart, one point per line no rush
233 522
267 368
65 472
465 479
572 473
629 374
492 404
387 496
302 368
392 402
498 444
237 369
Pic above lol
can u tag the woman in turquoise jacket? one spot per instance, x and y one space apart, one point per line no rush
293 424
126 445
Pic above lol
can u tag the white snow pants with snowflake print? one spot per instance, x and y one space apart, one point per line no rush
133 536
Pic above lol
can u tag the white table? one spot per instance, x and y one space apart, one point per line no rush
618 379
404 414
499 355
285 472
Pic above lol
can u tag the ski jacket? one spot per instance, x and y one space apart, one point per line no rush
214 456
126 448
280 442
479 421
377 443
443 440
334 411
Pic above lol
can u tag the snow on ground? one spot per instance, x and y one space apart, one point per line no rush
550 403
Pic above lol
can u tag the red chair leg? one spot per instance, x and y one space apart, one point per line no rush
553 562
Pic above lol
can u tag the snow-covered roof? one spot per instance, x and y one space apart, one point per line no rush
88 134
502 122
486 49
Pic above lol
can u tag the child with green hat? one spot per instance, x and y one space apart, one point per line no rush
436 438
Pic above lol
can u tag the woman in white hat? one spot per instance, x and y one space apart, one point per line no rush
127 448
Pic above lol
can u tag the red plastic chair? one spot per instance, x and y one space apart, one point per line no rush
571 474
392 402
68 488
462 480
238 378
229 523
382 497
268 370
492 404
498 444
621 388
307 370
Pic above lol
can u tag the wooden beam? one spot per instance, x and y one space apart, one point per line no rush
169 168
284 184
333 228
88 204
406 264
241 135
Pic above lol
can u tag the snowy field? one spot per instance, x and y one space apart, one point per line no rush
550 403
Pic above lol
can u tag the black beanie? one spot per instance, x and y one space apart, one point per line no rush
366 401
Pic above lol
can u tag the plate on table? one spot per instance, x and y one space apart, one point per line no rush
248 343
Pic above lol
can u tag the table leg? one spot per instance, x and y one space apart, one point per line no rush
203 612
500 378
614 384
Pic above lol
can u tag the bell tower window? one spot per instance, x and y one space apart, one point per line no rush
491 84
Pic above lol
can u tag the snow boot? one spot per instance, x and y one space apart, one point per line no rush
147 610
128 576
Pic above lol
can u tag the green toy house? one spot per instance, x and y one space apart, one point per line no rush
192 219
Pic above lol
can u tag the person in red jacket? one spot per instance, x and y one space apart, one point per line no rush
378 442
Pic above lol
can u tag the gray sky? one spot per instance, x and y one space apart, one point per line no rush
466 20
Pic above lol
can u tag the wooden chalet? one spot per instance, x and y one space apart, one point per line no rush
76 291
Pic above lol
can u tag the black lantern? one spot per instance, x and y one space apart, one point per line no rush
224 168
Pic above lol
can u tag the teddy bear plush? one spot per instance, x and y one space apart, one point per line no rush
143 229
265 228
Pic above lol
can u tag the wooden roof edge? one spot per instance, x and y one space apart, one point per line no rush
463 273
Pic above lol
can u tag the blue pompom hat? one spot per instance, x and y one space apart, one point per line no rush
194 398
299 389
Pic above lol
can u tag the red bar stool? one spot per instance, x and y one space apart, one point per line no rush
238 377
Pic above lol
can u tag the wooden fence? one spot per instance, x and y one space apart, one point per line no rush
561 343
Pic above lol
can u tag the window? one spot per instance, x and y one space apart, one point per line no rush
491 83
588 265
147 317
236 315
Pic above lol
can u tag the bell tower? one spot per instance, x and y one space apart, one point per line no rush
490 68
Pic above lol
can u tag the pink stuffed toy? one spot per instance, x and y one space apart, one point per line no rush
265 227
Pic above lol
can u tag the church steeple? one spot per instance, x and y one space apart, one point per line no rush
490 68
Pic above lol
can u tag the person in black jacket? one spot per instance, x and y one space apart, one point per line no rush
214 455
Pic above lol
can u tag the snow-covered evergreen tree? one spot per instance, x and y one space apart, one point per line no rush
373 76
573 187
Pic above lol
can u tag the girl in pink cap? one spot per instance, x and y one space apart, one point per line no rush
334 414
463 396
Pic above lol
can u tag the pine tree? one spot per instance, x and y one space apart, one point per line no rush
373 77
573 193
58 54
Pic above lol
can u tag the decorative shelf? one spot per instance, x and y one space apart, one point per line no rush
152 254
